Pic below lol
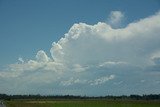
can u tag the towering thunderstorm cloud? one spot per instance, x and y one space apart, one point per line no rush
95 60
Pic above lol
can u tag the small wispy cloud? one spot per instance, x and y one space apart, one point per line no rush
98 81
72 81
21 60
102 80
115 19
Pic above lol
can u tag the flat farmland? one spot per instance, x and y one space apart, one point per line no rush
82 103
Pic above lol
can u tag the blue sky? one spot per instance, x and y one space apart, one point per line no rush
29 27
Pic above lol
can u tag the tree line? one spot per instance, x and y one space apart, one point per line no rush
122 97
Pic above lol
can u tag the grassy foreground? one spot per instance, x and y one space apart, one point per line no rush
82 103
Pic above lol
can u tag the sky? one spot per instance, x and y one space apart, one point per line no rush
85 47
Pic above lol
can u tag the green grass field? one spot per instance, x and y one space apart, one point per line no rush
82 103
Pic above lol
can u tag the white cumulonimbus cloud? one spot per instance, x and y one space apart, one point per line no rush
90 55
41 56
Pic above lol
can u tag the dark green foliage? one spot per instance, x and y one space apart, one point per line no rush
37 97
